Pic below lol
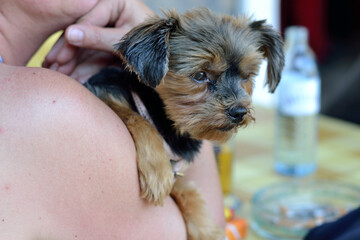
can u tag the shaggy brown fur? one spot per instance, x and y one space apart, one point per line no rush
152 159
202 67
198 223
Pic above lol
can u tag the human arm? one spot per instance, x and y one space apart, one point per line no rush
203 172
68 166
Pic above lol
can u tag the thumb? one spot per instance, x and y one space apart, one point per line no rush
93 37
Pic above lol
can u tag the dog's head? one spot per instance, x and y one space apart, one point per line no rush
203 67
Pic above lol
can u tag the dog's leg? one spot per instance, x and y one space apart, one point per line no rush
198 222
154 167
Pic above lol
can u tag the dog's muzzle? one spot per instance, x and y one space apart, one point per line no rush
236 114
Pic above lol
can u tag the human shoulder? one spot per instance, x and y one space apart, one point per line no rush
42 99
74 159
39 86
27 80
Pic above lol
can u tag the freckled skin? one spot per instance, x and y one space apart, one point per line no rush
52 166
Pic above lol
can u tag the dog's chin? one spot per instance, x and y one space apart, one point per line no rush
218 129
232 126
226 129
219 135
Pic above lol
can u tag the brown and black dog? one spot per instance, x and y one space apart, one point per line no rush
187 78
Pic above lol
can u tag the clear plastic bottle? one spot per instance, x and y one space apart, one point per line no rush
296 131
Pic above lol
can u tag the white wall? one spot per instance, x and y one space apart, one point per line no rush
269 10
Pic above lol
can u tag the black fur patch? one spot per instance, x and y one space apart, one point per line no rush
146 50
272 45
120 82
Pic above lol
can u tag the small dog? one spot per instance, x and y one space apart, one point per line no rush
187 78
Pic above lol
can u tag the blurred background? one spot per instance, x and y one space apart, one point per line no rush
334 32
334 35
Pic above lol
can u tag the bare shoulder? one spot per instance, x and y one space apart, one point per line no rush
35 85
58 111
68 165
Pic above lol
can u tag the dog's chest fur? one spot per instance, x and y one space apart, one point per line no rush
121 84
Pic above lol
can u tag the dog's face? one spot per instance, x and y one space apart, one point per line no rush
203 67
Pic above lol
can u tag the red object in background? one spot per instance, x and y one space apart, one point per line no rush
313 15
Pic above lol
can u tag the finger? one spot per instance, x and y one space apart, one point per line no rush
99 15
69 67
133 14
93 37
61 52
52 55
65 56
93 65
66 53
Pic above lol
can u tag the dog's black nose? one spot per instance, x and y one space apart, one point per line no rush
236 114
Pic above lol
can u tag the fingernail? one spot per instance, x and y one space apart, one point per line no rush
75 35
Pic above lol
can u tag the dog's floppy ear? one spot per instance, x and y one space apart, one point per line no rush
145 49
272 45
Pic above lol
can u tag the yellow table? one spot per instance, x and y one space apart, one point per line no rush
338 156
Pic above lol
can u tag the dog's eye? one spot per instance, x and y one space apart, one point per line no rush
200 76
250 75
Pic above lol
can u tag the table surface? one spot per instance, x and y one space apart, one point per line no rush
252 169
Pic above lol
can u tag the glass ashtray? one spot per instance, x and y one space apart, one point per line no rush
287 211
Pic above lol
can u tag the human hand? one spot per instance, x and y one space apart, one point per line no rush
87 45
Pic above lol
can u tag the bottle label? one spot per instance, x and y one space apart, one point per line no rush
299 95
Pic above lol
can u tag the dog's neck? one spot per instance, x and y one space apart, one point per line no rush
145 114
177 162
141 108
121 83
